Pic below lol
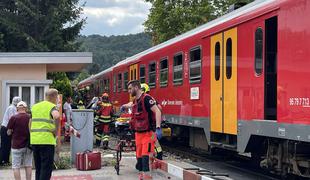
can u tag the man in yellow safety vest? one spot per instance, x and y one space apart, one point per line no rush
43 133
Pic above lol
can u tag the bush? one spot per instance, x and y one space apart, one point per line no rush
63 163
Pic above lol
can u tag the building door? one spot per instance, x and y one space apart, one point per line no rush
224 82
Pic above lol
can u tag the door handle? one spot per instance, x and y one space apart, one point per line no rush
221 98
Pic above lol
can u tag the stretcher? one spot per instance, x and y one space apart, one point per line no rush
126 139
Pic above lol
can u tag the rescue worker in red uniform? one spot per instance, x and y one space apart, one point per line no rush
105 113
158 150
146 120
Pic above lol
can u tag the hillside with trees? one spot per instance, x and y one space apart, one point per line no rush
107 51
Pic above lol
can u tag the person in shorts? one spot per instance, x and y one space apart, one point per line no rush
18 127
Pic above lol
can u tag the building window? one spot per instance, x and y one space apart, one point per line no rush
26 94
164 72
228 58
39 94
195 65
217 61
259 51
13 92
119 82
152 75
142 74
178 69
114 83
125 81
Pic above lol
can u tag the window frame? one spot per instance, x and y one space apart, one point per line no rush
125 82
177 82
151 85
142 66
231 54
215 60
255 52
119 82
191 81
114 82
163 84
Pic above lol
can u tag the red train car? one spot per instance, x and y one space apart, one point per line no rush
239 82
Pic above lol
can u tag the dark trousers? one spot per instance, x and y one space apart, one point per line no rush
5 149
43 159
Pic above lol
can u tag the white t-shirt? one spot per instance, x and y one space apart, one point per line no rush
68 110
9 112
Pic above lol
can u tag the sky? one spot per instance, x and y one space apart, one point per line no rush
114 17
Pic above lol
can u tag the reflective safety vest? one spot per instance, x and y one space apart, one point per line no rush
42 124
105 112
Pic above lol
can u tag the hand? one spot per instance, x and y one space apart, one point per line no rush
159 133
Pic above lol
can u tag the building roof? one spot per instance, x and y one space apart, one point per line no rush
55 61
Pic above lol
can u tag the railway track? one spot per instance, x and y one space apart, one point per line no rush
221 162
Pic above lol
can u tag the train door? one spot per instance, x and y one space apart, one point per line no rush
133 75
133 69
271 46
224 82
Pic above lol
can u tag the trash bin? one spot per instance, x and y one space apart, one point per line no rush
83 122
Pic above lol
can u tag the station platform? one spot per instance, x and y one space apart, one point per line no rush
127 172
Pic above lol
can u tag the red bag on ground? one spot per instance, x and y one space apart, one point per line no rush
88 161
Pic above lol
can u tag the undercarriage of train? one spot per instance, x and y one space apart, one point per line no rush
278 156
286 157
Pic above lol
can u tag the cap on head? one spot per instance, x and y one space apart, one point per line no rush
16 100
21 104
145 88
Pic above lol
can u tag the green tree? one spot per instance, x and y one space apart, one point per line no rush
169 18
83 75
220 7
39 25
61 82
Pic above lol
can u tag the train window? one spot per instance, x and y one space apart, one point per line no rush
101 86
178 69
217 61
106 85
142 74
152 75
259 51
228 58
195 65
119 82
114 83
125 81
164 72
